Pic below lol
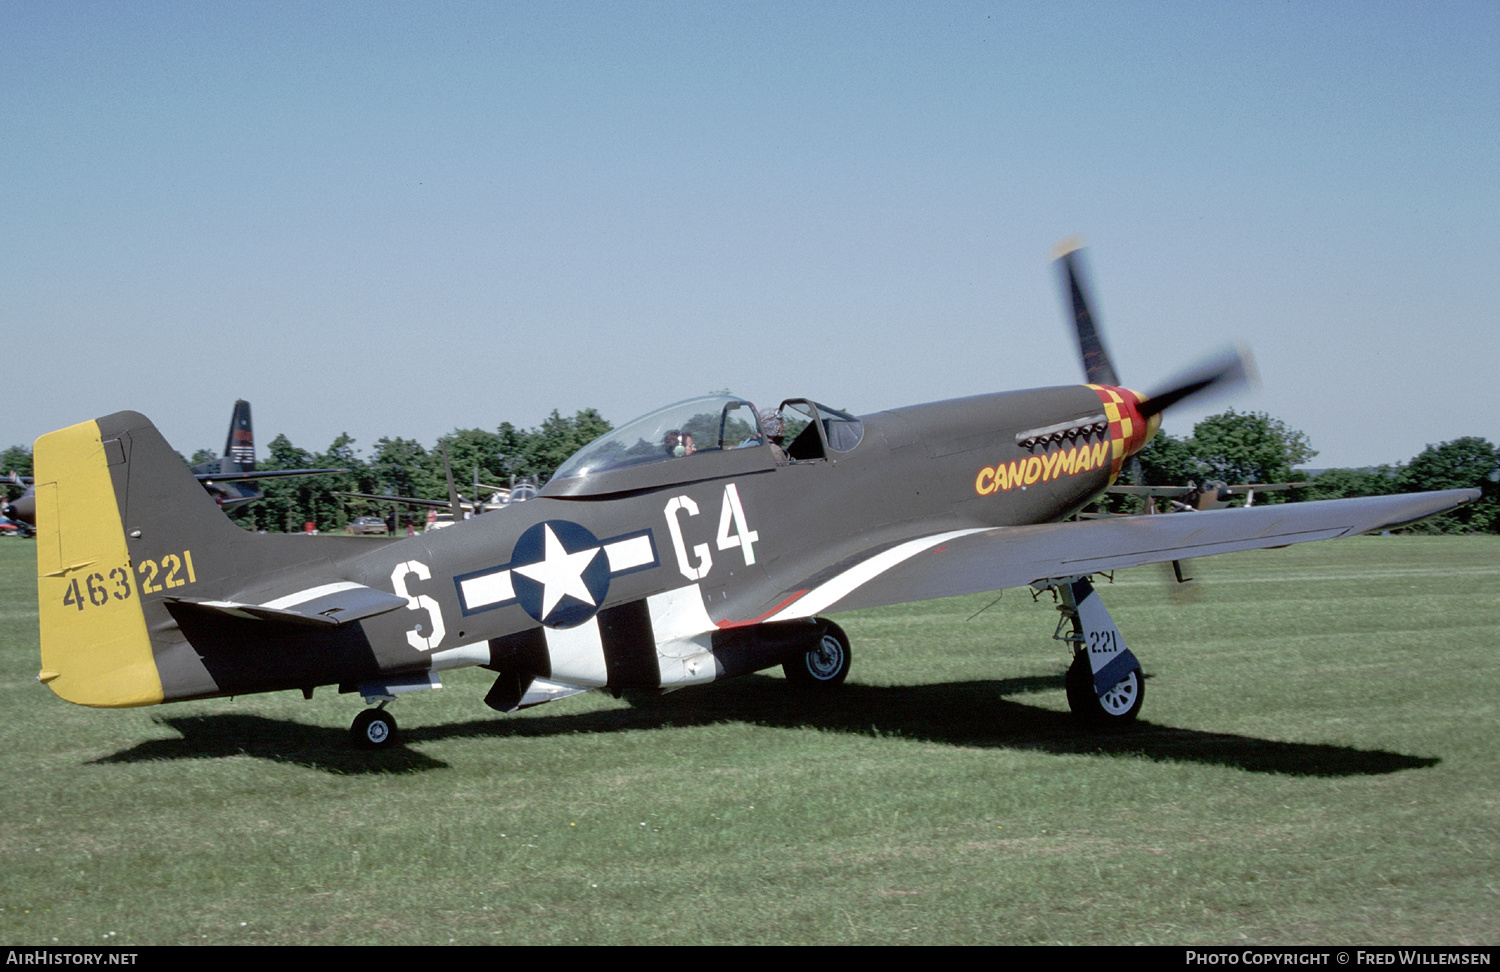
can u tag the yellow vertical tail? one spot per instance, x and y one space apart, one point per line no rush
95 647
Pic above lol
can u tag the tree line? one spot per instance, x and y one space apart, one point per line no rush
396 467
1253 447
404 467
1235 447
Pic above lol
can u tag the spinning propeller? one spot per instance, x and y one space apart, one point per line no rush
1223 372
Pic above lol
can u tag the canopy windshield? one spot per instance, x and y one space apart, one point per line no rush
714 423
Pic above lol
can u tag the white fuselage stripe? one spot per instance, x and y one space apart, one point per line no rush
825 595
302 597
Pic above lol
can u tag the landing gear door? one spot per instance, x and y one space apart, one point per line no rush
1101 641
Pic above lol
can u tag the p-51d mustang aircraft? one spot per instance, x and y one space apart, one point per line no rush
686 546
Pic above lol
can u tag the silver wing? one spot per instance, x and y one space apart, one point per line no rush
991 559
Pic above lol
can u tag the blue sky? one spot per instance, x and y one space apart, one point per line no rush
398 219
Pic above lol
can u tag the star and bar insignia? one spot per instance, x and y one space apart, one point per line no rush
559 573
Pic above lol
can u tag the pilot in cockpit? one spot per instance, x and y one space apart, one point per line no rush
679 443
772 425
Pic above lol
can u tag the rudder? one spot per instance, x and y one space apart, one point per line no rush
95 647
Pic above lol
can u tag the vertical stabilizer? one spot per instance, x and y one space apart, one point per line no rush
122 529
239 448
95 648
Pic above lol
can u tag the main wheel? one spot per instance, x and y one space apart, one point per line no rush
373 729
827 664
1120 705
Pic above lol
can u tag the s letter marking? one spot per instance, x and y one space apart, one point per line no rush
419 602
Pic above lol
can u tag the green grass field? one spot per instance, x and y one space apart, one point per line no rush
1316 763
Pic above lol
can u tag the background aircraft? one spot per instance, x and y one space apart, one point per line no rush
22 510
639 566
456 507
232 478
1214 494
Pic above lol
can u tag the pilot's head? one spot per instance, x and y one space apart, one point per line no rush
770 423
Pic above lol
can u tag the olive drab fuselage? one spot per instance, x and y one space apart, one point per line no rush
636 568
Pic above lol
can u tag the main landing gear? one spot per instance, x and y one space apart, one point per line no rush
824 665
1105 686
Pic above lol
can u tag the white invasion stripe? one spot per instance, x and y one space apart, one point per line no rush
543 690
487 589
577 654
231 607
820 598
694 669
684 637
416 682
678 613
625 554
302 597
477 653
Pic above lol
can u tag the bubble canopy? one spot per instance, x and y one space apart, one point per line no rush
713 423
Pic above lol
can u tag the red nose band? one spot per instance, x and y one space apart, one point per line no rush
1129 431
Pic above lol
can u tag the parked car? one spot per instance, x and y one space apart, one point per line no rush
366 525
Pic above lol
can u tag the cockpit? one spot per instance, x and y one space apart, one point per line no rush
703 438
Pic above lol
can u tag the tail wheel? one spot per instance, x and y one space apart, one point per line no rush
1116 707
826 664
373 729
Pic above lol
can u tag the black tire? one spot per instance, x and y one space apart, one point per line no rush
373 729
1117 707
826 665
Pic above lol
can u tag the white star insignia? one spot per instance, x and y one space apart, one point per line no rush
560 573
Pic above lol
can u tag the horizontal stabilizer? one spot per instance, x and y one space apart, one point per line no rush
403 500
328 605
234 477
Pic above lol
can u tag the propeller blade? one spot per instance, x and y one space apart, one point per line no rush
1227 371
1096 364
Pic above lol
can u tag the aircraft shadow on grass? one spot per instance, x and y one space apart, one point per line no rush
973 713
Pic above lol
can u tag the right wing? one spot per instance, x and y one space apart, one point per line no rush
990 559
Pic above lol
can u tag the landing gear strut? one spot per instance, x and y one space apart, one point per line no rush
1105 686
